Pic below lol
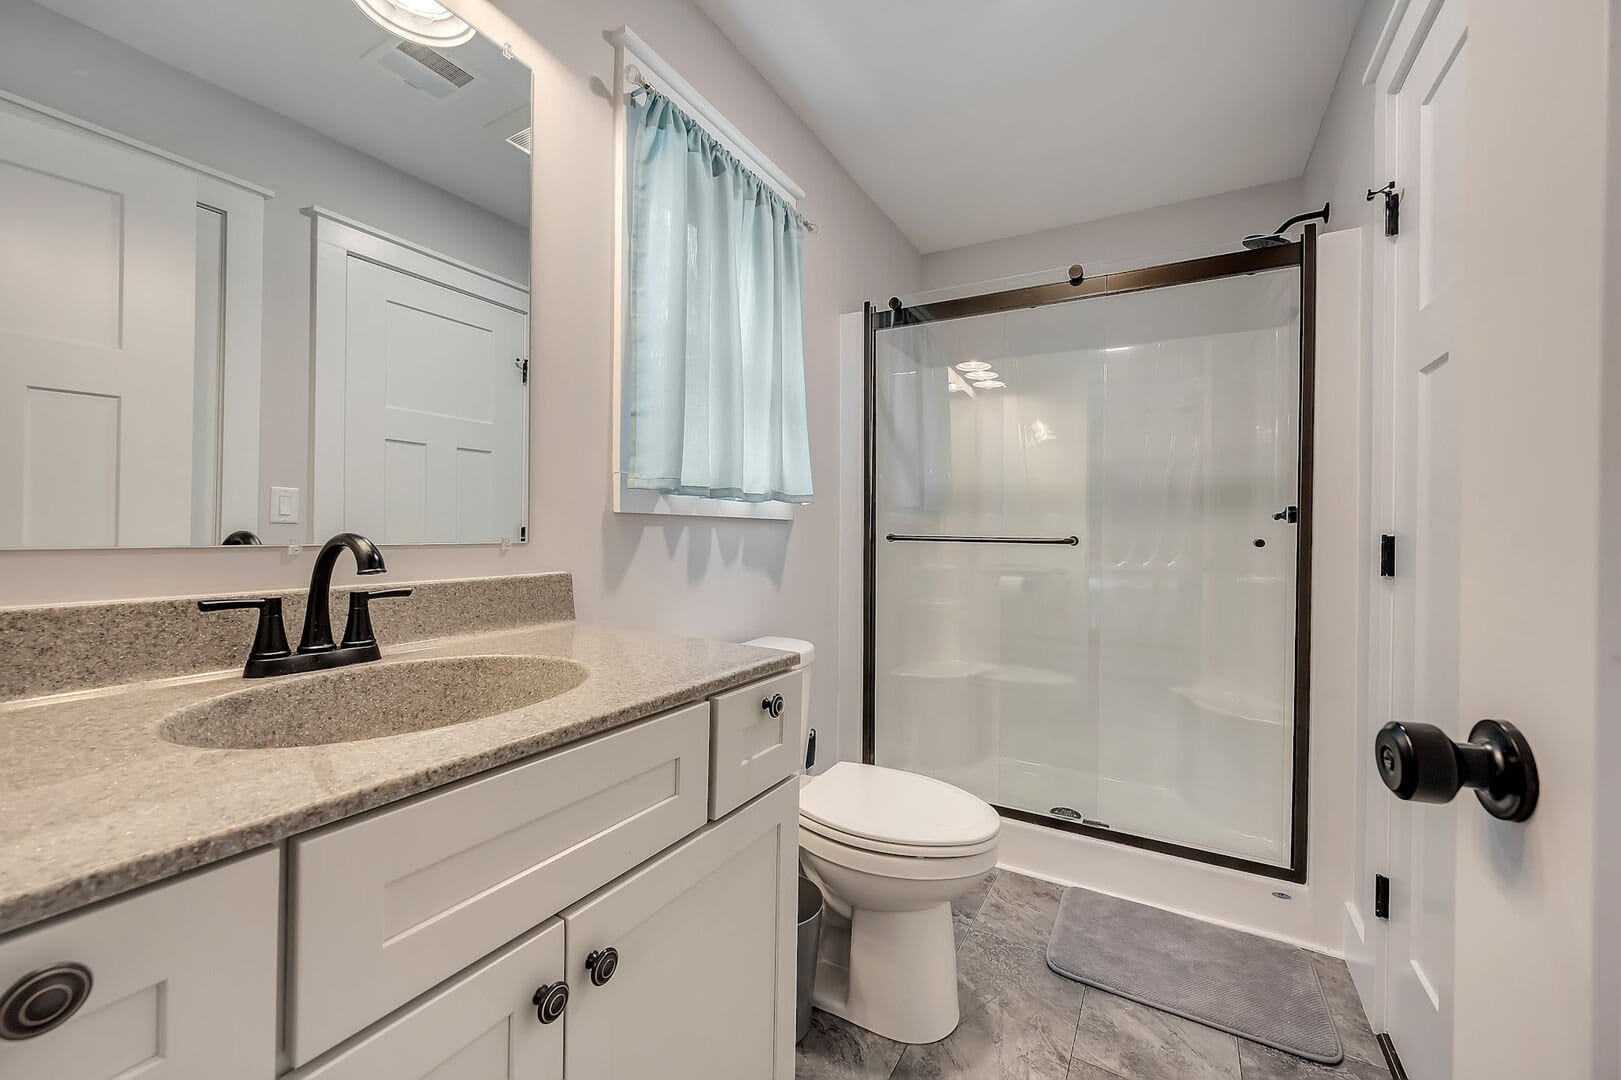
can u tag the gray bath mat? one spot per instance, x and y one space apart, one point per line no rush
1249 986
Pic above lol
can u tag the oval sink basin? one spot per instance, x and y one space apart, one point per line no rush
370 701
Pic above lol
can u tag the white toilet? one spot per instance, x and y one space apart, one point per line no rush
890 850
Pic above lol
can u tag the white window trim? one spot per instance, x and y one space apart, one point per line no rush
630 49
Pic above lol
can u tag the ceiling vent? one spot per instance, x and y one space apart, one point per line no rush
429 70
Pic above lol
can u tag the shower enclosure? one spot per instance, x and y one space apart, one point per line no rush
1088 536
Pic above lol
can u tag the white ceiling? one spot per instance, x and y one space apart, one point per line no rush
308 60
969 121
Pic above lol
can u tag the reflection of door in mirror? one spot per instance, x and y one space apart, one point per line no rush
428 358
106 354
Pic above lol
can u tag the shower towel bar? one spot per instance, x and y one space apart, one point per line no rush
1069 541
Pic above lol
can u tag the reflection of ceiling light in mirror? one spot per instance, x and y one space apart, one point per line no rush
973 365
1040 432
978 376
991 385
422 21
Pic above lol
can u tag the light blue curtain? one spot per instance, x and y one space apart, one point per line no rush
716 337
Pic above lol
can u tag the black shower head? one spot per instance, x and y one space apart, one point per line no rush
1275 238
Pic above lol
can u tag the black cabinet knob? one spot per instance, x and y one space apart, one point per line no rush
602 963
550 1001
1421 762
43 1000
774 705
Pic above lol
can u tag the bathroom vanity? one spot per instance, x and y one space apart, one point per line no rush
595 884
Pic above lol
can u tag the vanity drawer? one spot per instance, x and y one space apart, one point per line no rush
482 1023
754 743
387 906
182 981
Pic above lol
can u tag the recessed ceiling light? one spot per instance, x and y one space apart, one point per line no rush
991 385
425 22
973 365
979 376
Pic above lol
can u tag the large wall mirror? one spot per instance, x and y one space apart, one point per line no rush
263 274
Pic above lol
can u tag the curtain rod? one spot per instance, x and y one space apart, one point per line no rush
634 76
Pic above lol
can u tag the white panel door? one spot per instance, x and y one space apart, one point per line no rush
1425 380
704 938
96 330
435 411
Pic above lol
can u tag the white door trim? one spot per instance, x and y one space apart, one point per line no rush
336 240
136 144
242 348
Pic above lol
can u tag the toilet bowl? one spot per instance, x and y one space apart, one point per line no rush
891 850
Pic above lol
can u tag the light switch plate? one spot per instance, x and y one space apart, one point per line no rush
284 506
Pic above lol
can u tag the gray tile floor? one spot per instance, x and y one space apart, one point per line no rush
1022 1022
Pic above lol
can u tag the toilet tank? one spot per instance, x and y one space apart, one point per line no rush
807 654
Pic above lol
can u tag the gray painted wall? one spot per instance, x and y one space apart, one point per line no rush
1341 164
1163 234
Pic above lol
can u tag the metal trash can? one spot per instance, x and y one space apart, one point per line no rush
810 939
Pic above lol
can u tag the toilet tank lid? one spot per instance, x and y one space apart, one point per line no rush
806 651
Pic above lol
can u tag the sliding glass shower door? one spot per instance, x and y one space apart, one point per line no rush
1084 574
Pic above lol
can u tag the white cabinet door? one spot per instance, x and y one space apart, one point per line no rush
482 1025
704 942
436 411
183 982
97 301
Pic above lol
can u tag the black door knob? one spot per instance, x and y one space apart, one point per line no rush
774 706
550 1001
1421 762
602 963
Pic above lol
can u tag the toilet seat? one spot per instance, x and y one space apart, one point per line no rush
874 809
883 847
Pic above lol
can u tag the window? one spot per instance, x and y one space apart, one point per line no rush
711 375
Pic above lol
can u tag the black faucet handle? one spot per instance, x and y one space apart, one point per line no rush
358 631
270 639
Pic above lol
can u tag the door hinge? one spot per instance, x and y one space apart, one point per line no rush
1381 896
1392 206
523 533
1387 555
522 364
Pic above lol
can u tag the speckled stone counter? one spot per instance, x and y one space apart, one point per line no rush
94 803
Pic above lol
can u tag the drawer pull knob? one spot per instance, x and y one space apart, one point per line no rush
774 705
602 963
550 1001
43 1000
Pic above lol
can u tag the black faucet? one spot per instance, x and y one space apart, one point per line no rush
270 655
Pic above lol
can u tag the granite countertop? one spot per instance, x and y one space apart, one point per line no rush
94 803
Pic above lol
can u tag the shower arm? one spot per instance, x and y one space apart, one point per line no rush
1310 215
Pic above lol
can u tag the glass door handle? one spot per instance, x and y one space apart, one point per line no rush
1289 514
1421 762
